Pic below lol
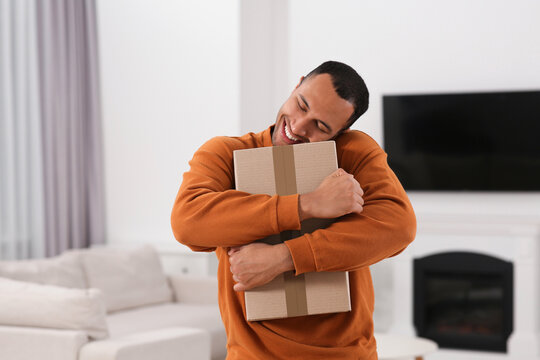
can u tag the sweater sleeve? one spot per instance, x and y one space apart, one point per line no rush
208 213
385 227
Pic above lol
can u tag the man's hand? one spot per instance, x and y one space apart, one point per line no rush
258 263
339 194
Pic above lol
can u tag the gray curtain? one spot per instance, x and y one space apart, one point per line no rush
68 122
22 231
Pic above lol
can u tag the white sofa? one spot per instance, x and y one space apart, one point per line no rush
105 304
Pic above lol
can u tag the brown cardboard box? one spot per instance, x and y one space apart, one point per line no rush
286 170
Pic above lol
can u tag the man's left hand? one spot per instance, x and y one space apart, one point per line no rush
257 264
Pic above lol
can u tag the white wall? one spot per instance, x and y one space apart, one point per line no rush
169 81
264 62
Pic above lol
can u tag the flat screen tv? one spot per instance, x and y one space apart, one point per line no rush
456 142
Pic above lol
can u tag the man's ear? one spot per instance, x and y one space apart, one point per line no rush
301 79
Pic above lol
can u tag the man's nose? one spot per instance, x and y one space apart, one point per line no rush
300 126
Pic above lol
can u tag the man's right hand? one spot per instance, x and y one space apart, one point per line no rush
339 194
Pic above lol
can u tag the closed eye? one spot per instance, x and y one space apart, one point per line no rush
322 127
300 106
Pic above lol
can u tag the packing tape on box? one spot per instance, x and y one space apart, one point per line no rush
285 179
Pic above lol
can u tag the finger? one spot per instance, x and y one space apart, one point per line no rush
358 209
339 172
233 250
239 287
359 199
360 190
357 186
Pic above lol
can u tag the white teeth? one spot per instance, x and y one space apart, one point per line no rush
289 134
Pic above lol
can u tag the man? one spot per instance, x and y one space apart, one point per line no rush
372 223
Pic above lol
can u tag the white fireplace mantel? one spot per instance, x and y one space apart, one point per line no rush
506 226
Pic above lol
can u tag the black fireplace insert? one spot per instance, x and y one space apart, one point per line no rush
464 300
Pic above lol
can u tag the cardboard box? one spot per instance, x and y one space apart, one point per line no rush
286 170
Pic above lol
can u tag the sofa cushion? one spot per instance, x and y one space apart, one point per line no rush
29 343
173 343
64 270
206 317
28 304
128 277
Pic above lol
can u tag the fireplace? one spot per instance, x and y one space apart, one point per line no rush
485 266
464 300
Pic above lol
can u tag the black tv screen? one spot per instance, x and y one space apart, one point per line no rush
474 141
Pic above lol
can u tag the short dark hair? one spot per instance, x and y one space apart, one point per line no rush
348 84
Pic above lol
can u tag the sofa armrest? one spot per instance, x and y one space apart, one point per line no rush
194 289
30 343
173 343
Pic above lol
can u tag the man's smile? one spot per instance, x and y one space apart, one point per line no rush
287 135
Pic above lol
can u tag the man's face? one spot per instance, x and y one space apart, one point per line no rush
313 112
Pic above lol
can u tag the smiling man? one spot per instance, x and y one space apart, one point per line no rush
373 222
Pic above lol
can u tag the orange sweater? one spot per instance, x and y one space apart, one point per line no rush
209 215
